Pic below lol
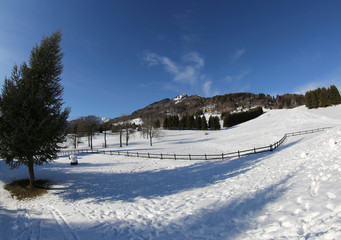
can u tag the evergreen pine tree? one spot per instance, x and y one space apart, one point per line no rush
32 120
334 93
198 122
166 123
308 99
216 123
191 120
203 123
314 99
323 98
183 122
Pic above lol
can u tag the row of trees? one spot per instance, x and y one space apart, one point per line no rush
191 122
322 97
231 119
78 129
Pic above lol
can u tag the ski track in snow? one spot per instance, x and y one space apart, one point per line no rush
291 193
62 224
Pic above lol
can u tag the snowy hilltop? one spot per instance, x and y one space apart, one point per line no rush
179 98
290 193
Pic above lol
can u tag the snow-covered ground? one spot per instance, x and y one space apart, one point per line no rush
291 193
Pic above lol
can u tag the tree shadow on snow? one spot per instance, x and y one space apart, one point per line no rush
226 221
102 186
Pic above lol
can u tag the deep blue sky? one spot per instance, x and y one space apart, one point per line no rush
123 55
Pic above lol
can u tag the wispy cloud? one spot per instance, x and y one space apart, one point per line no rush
208 86
187 72
236 78
190 38
237 54
336 80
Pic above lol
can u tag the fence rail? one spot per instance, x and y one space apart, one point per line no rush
222 156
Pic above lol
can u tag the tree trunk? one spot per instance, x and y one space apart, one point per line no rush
127 136
105 139
31 172
121 138
150 137
75 141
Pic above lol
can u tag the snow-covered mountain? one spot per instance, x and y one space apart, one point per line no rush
184 104
93 118
179 98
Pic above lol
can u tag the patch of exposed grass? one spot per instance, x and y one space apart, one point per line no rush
21 189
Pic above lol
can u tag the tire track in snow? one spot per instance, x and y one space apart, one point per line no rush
68 233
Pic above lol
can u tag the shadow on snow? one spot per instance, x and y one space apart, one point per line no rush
228 221
103 186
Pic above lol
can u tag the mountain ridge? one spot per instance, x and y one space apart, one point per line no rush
195 104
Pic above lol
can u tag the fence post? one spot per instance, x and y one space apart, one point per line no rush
174 157
238 154
189 157
127 153
137 154
271 147
222 156
254 150
148 155
205 157
161 156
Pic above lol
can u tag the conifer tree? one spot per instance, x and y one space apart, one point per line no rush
32 121
183 122
191 122
308 99
323 98
198 122
334 94
216 123
203 123
314 99
166 124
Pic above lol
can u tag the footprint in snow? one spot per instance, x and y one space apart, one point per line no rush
314 187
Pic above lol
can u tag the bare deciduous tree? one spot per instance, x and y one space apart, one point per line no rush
149 130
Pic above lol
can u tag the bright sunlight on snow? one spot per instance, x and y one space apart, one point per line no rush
291 193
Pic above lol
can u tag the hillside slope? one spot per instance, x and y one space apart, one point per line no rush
184 104
291 193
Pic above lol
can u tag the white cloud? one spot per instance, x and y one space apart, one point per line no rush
238 54
319 84
207 88
195 58
188 72
151 59
190 38
238 77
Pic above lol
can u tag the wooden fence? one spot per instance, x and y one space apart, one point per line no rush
222 156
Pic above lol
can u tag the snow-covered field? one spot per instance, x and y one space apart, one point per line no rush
291 193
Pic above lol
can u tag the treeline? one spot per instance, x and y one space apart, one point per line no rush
322 97
191 122
88 128
231 119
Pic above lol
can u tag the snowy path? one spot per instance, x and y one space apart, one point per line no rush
291 193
